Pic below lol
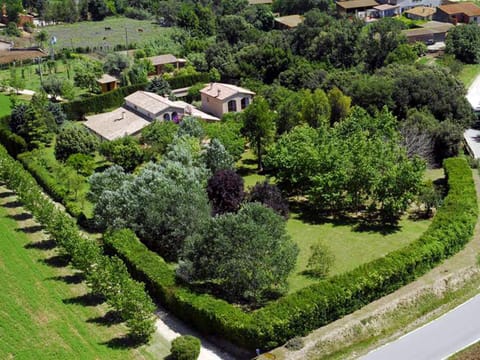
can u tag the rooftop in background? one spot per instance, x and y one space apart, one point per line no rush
223 91
164 59
116 124
466 8
354 4
423 11
437 26
105 79
385 7
259 2
290 21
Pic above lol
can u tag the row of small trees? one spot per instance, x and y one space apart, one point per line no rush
106 276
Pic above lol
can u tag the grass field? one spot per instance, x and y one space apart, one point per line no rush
44 311
350 244
122 30
5 105
469 73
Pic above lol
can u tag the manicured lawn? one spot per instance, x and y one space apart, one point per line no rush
93 34
469 73
44 313
351 245
5 105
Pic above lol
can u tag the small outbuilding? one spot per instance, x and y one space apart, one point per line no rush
421 13
219 99
288 22
160 61
107 83
354 7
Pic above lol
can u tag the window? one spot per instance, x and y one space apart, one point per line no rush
232 106
244 103
166 117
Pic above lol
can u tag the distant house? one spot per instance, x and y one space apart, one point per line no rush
139 110
420 13
260 2
107 83
405 5
160 61
219 99
355 7
22 18
462 12
386 10
288 22
430 32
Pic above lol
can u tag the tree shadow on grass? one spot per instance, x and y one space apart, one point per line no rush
6 194
58 261
110 318
30 229
361 223
88 299
76 278
21 217
13 204
123 342
40 245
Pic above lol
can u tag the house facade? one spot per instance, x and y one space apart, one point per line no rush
404 5
219 99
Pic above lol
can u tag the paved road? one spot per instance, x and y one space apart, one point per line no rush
473 94
438 339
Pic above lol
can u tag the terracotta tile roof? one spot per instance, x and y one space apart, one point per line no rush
385 7
224 91
150 102
290 21
423 11
105 79
163 59
116 124
469 9
355 4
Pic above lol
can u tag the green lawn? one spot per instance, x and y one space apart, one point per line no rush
5 105
469 73
93 34
44 313
350 246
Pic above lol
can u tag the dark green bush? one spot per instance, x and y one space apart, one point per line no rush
185 348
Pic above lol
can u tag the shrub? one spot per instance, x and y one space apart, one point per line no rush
185 348
320 261
74 139
295 344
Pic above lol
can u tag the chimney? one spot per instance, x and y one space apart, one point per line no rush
123 115
218 92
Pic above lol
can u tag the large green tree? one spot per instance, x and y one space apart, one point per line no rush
248 254
464 42
259 126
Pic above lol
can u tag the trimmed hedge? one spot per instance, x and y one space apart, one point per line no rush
185 348
322 302
115 98
99 103
14 143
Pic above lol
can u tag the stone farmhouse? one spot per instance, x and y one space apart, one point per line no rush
138 111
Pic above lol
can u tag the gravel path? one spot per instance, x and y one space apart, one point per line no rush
169 327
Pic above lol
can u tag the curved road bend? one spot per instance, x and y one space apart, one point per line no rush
438 339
